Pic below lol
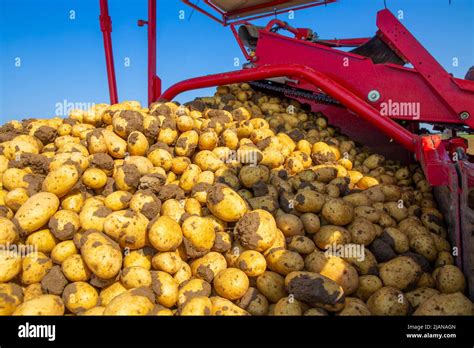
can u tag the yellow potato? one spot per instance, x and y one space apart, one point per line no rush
36 211
225 203
41 305
101 255
127 227
80 296
61 180
138 301
11 295
8 231
34 267
75 269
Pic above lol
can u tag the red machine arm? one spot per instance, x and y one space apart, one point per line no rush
319 80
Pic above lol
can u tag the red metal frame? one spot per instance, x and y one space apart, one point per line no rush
225 16
154 82
300 33
440 81
440 100
106 28
239 41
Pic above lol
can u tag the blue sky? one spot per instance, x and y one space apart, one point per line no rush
63 58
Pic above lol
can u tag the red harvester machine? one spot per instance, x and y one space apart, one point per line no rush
370 92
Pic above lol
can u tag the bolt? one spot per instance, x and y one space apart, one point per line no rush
464 115
373 95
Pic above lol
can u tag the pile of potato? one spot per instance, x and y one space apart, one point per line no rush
241 203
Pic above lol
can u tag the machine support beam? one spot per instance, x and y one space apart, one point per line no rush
106 28
154 82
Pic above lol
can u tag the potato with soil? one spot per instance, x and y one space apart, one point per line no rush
396 239
79 297
118 200
354 307
449 279
222 306
446 304
135 277
401 273
388 301
272 286
64 224
61 180
325 173
367 212
253 302
308 201
41 305
75 269
310 222
43 240
197 306
189 177
368 284
315 289
139 301
137 144
36 211
338 212
396 210
362 231
127 177
11 296
62 251
256 230
358 199
231 283
420 295
165 288
330 235
167 261
146 203
15 198
208 266
225 203
290 225
93 216
199 235
302 245
35 266
165 234
288 306
101 255
284 261
193 288
423 244
127 227
334 268
250 175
